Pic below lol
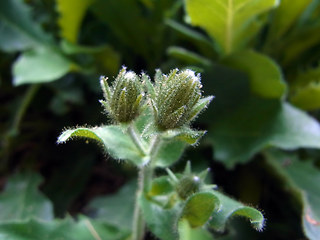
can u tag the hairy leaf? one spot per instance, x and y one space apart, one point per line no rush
188 233
169 152
118 144
161 222
231 23
230 208
199 207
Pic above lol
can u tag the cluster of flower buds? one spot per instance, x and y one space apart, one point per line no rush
176 99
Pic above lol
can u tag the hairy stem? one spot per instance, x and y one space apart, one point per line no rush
144 182
136 139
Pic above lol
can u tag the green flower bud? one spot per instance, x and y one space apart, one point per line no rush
177 99
188 185
124 99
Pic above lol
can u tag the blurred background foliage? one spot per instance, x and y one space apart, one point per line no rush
259 58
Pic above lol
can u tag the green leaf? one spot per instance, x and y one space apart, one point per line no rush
259 123
68 229
265 77
161 222
187 56
199 207
188 233
71 17
230 208
305 90
170 151
17 29
230 23
185 134
186 31
285 16
160 186
301 178
117 209
132 35
21 199
40 65
299 43
106 58
307 97
118 144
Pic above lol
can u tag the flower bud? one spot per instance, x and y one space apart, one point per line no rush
177 98
124 99
188 185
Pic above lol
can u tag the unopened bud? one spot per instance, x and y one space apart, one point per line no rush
124 99
177 98
188 185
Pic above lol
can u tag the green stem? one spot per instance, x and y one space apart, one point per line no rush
14 129
23 108
136 139
144 182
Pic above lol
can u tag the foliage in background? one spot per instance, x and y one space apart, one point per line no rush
260 59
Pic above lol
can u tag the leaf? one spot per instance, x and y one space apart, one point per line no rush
40 65
196 36
299 43
186 134
117 209
84 229
72 13
259 123
307 97
264 74
230 23
187 56
170 151
305 90
115 141
161 222
160 186
105 56
21 199
188 233
230 208
301 178
285 16
199 207
17 29
132 35
11 41
173 142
